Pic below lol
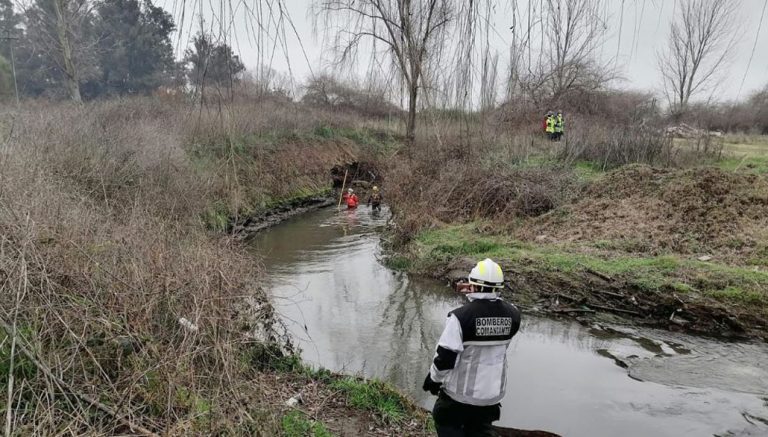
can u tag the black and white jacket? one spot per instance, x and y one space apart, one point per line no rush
471 356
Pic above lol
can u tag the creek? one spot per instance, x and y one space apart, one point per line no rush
349 313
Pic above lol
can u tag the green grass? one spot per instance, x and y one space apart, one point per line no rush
216 216
374 396
745 164
22 367
652 273
297 424
747 153
750 145
739 295
398 262
375 140
588 171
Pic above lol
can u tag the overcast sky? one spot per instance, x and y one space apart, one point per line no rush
644 29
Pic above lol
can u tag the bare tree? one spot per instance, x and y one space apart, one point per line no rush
65 14
702 36
54 28
574 32
488 80
556 49
405 31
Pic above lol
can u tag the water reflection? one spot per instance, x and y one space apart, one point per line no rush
350 313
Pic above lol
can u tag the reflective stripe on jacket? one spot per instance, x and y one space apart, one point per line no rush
471 356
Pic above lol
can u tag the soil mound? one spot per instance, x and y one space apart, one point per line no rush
642 209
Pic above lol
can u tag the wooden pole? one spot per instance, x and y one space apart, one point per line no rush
343 184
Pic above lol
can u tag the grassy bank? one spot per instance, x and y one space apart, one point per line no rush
436 249
591 228
325 403
124 309
670 290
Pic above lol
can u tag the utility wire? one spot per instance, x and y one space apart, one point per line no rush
754 46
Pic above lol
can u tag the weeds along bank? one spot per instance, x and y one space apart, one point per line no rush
625 226
107 242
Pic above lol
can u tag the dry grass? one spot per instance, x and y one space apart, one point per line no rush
746 145
639 209
470 167
460 184
104 248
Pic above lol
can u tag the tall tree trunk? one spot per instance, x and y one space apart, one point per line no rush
410 125
70 71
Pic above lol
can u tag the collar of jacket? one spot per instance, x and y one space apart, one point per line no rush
482 296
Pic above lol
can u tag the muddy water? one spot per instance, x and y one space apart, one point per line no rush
349 313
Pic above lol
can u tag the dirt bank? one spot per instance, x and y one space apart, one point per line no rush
276 215
313 402
681 249
639 209
324 404
592 295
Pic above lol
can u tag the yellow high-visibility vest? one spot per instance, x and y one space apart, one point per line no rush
559 124
550 125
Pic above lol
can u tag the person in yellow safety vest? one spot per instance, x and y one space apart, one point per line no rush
551 121
559 125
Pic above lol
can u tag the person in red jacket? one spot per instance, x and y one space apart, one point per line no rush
351 199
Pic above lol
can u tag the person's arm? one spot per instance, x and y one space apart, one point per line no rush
450 345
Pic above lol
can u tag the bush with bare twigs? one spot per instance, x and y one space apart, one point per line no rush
452 186
329 93
616 146
104 252
748 117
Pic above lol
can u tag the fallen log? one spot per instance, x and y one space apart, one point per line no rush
600 275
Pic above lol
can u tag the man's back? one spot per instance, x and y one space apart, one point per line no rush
487 327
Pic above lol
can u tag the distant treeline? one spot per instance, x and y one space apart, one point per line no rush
83 49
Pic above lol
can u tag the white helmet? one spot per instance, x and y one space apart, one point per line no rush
350 190
487 274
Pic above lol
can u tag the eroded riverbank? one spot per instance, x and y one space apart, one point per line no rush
351 314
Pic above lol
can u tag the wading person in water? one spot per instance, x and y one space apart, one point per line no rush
374 200
468 373
351 199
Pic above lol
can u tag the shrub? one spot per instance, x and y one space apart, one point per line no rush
105 250
326 92
616 147
455 189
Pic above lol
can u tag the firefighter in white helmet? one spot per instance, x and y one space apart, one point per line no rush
468 372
